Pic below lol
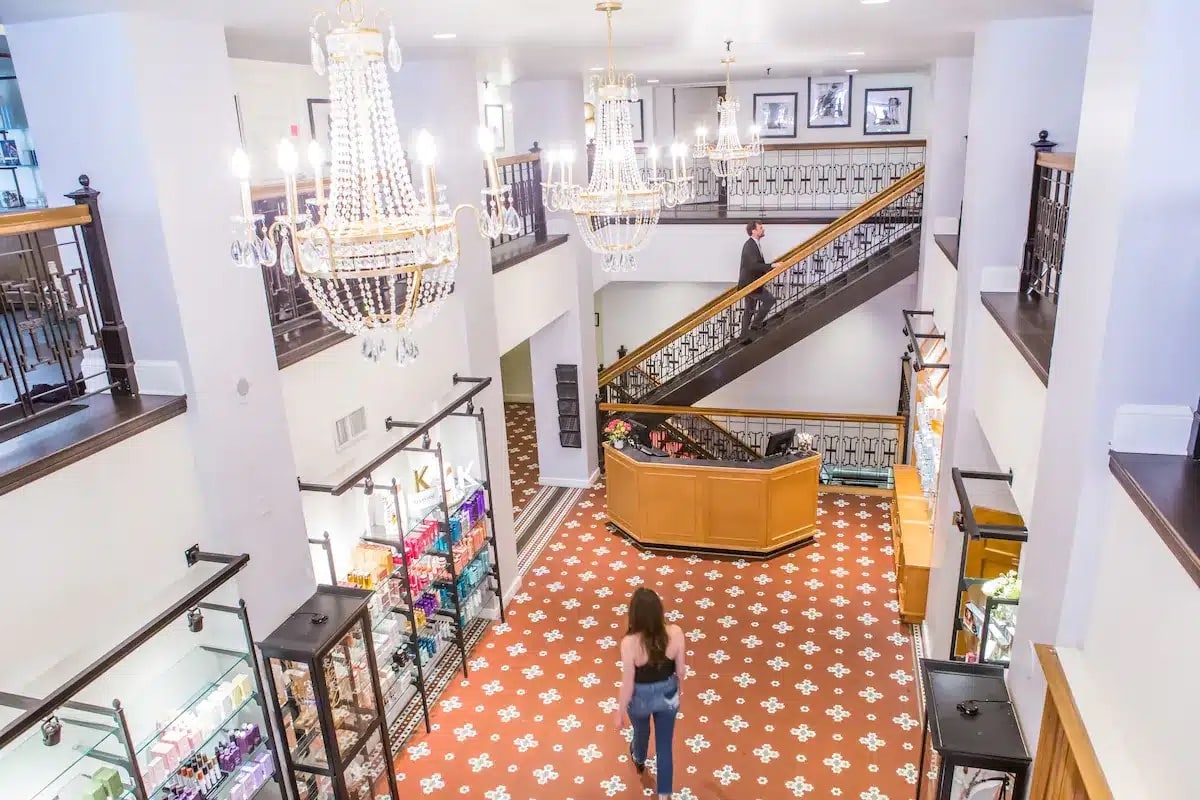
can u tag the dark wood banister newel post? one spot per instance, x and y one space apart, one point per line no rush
114 337
539 214
1042 145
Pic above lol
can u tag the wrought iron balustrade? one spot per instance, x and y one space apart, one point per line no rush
864 446
1050 206
62 335
523 175
871 229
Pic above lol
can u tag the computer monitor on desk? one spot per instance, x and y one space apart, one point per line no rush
780 443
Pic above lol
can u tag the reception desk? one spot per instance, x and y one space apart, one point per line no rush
754 509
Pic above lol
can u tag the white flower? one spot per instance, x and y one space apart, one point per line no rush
553 635
744 680
799 786
736 723
777 663
870 694
869 654
867 619
589 754
906 722
836 763
873 794
697 743
515 650
480 762
725 775
757 608
871 741
612 786
588 622
803 732
451 704
549 696
782 628
727 621
589 680
531 672
570 657
465 732
837 713
901 677
499 793
525 743
508 713
809 648
708 697
772 705
492 687
752 641
545 774
806 688
909 773
432 783
839 670
719 656
765 753
841 601
419 750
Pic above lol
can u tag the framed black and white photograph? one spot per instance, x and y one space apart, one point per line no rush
829 101
318 125
10 154
637 116
775 115
888 111
493 118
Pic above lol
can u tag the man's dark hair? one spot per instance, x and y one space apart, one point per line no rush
751 225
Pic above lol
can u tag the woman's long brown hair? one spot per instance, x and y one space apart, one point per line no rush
646 620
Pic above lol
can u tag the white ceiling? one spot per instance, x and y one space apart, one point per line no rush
671 40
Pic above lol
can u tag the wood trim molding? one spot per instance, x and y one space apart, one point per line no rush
641 408
1062 161
43 219
857 145
798 253
266 191
1058 691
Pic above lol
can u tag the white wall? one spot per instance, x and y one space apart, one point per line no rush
851 366
516 373
939 283
1010 406
704 253
1132 673
273 97
534 293
496 95
97 540
632 313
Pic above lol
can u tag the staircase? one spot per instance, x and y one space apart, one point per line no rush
864 252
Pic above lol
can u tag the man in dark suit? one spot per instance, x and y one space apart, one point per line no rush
754 266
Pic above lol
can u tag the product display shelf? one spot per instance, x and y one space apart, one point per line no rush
42 771
912 543
221 664
993 536
153 792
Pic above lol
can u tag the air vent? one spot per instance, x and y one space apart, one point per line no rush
350 428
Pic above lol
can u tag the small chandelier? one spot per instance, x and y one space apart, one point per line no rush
377 258
619 207
727 157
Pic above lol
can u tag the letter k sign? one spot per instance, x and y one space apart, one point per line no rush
419 479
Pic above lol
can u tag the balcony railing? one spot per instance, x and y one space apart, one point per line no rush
856 449
523 175
1050 206
62 335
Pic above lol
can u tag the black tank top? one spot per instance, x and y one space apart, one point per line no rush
653 673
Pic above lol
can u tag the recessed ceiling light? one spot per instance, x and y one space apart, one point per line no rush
852 71
597 69
856 53
652 80
445 35
874 2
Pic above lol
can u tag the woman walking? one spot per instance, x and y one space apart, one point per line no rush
652 673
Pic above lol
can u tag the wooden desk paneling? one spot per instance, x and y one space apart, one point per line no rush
675 503
912 543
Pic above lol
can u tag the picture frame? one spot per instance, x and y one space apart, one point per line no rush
318 125
10 154
637 116
775 114
887 111
493 118
830 101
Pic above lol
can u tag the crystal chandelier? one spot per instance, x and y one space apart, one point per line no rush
377 258
727 157
619 207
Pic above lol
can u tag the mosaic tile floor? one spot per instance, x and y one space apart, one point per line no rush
801 678
522 453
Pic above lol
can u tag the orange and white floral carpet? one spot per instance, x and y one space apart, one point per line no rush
522 453
801 678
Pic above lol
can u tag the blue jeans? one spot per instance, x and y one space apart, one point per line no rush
659 701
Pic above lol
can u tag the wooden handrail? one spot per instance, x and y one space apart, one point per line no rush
823 237
642 408
1062 161
43 219
264 191
1072 724
858 145
504 161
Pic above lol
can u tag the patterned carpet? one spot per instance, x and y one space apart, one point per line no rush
522 453
802 680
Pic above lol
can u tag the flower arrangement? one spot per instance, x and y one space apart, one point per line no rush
617 431
1005 587
805 442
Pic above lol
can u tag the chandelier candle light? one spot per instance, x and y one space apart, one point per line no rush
377 259
727 157
619 207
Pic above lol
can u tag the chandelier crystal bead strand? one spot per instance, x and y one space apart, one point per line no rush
618 208
727 156
377 257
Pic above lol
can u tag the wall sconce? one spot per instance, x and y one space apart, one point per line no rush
195 620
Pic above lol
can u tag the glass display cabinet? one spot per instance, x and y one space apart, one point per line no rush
324 684
972 748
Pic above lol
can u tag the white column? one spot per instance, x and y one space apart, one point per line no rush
150 118
1027 75
945 162
1125 331
550 113
441 97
